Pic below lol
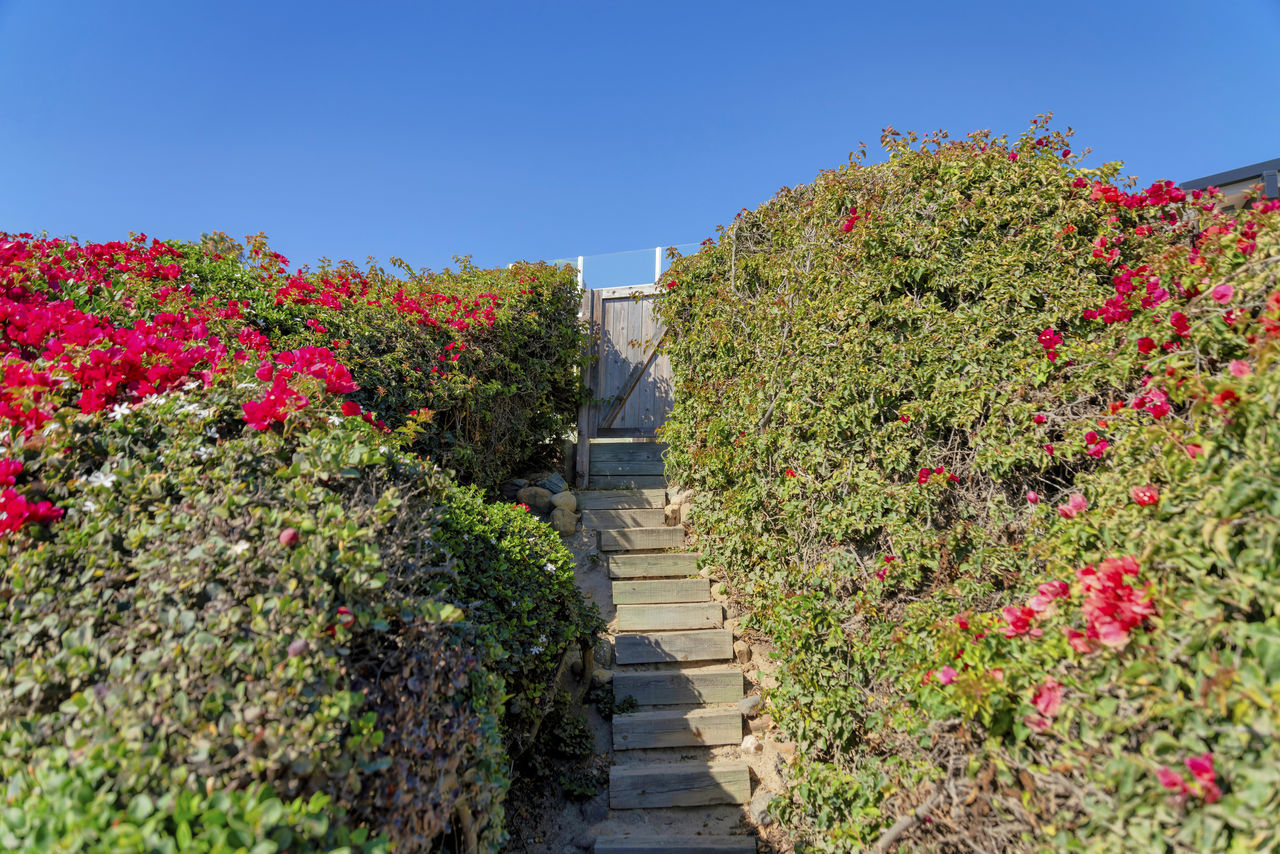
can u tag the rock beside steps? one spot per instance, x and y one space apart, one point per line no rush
674 657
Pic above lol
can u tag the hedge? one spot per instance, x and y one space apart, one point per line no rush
236 613
987 445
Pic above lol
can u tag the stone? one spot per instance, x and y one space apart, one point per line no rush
786 749
742 651
565 501
554 483
759 808
682 515
671 515
564 521
520 482
750 705
603 653
732 624
719 591
760 723
751 744
596 810
538 499
601 677
511 488
705 571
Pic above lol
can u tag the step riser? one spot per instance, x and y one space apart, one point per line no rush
652 566
615 499
659 592
679 688
666 618
679 786
700 727
677 845
603 520
634 539
705 645
632 452
624 468
615 481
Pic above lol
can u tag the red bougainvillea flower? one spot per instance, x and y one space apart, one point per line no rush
1048 697
524 507
923 477
350 408
9 471
1225 398
1039 419
849 223
670 285
947 675
1112 607
1145 496
1240 368
890 558
904 418
1193 450
1204 783
1223 293
1048 449
791 472
962 622
1033 497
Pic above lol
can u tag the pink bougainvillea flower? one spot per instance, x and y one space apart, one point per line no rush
923 477
1201 767
1145 496
1048 697
1039 419
1078 502
1091 437
1193 450
1171 779
1223 293
1066 511
1013 155
904 418
1033 497
1240 368
9 471
890 558
947 675
1048 449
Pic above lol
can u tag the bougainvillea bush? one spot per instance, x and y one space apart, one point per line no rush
236 611
995 462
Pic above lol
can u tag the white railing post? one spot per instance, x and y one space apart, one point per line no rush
657 264
579 271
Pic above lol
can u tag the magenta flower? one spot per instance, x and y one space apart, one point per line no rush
947 675
1033 497
1223 293
1240 368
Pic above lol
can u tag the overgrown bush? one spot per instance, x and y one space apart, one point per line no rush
989 446
234 615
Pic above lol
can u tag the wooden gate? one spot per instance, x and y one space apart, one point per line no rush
628 378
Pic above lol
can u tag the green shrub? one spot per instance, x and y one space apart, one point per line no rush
872 373
218 637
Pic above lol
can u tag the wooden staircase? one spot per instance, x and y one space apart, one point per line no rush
675 658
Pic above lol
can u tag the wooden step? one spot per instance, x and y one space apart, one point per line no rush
677 728
669 844
635 539
627 481
627 451
679 784
670 617
614 499
623 565
657 592
654 647
612 519
680 687
623 467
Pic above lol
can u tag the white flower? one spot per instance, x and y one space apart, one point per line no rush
204 452
534 650
211 432
90 506
102 478
549 567
334 420
120 410
239 548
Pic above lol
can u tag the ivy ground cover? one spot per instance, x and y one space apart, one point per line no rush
243 607
988 445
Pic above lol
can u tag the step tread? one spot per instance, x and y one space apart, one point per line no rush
677 728
679 784
673 844
670 617
641 566
603 520
622 481
617 499
634 539
648 592
654 647
630 468
672 687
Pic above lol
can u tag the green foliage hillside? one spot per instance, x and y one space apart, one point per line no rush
988 445
238 612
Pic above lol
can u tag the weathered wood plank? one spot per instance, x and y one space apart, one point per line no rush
630 468
634 539
616 499
653 647
678 728
631 518
668 844
627 451
665 618
622 565
619 481
679 784
656 592
679 687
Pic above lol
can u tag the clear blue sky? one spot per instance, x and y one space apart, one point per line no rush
551 129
